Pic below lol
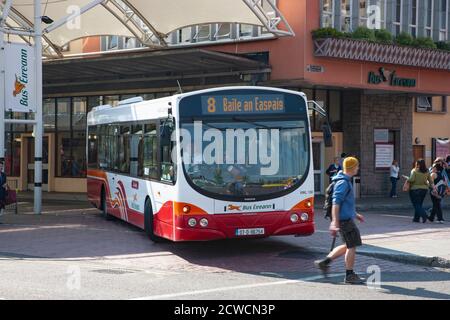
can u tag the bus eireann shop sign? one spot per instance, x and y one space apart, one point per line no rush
19 78
387 76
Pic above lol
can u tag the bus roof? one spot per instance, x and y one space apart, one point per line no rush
134 109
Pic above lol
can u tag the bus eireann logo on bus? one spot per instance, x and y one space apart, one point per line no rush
233 207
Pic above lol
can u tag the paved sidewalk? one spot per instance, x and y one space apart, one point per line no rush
53 196
393 236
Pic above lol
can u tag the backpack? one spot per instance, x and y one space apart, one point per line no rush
328 205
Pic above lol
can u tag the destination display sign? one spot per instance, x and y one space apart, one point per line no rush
243 104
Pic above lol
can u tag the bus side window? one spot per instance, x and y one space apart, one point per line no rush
135 150
124 149
149 158
167 166
102 147
92 148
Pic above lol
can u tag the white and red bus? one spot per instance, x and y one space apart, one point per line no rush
233 162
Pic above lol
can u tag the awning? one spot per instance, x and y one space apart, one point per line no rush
147 69
150 21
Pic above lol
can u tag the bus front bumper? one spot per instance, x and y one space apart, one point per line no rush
242 226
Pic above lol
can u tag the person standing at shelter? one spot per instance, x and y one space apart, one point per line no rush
436 196
343 216
334 168
394 176
3 189
341 161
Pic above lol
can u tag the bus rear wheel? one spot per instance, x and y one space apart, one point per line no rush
103 205
148 223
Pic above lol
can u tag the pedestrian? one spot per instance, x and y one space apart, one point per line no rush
3 189
418 183
394 176
436 197
334 168
341 161
343 216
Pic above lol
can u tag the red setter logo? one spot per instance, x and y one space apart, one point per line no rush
18 87
233 207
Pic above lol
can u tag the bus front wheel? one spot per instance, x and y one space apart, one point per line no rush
104 207
148 223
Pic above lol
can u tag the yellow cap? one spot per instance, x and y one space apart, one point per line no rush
350 163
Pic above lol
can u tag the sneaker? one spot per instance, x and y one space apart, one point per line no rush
353 278
323 266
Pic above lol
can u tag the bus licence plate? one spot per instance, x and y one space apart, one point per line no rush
249 232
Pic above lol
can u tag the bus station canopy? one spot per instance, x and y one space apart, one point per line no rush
150 21
190 68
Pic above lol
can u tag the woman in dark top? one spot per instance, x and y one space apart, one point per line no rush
436 196
3 188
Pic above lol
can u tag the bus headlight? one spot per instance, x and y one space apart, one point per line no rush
192 222
304 217
204 222
294 218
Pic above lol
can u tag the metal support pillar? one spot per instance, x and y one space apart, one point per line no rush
2 97
38 127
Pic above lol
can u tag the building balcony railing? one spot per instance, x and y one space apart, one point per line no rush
362 50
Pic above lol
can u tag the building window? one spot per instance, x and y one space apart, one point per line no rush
414 16
372 14
443 21
398 19
429 18
346 15
78 146
328 14
331 101
112 43
111 100
431 104
335 110
203 33
49 114
63 114
223 31
93 101
245 30
79 106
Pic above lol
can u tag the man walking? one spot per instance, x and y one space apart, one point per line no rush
343 216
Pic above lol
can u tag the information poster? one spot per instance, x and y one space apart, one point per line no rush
384 155
441 148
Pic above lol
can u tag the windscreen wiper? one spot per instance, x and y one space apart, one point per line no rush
253 123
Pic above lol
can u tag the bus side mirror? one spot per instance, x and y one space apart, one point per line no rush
327 135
